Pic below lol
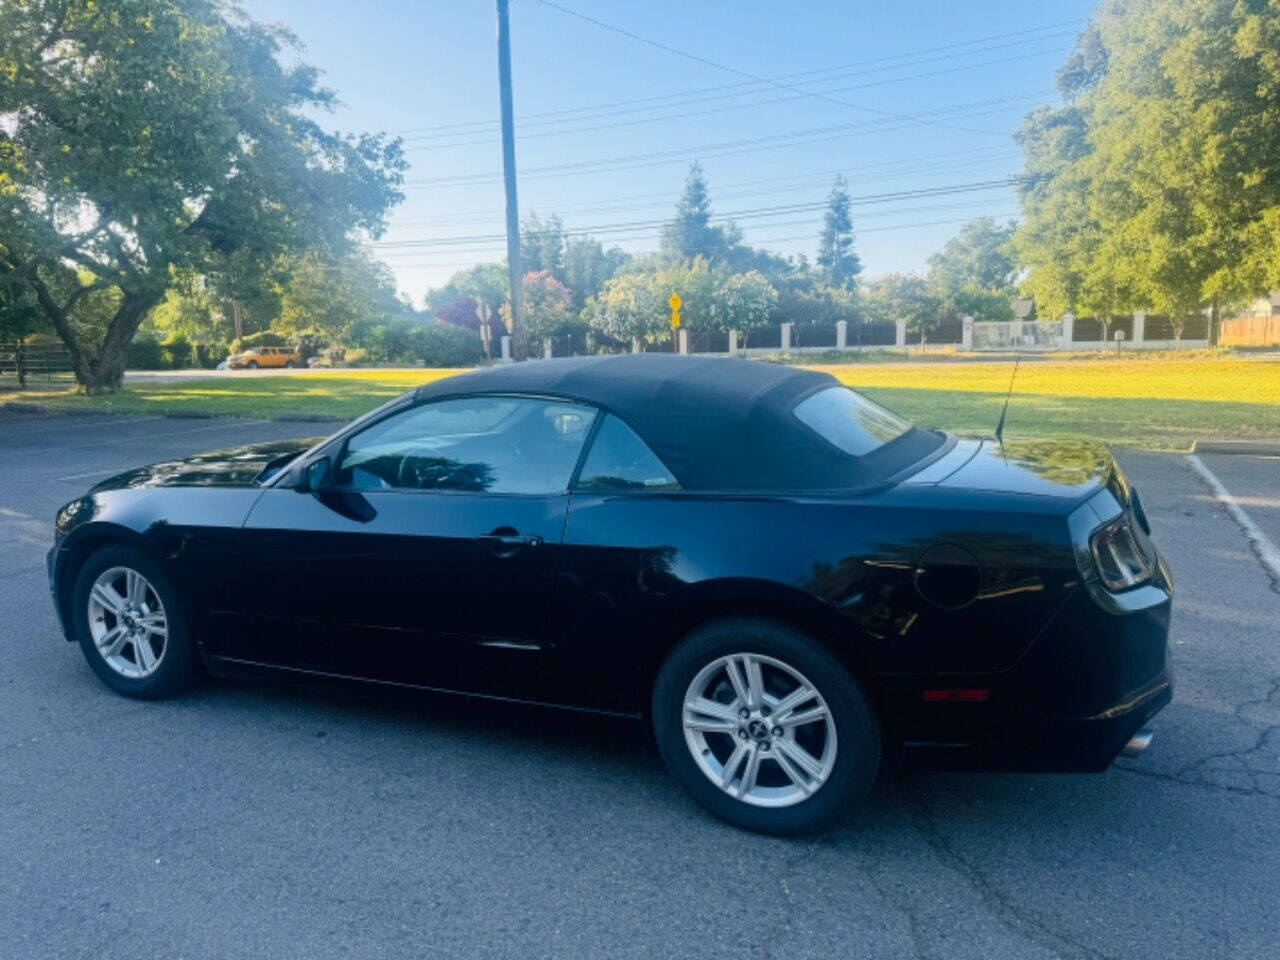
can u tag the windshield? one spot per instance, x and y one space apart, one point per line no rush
849 420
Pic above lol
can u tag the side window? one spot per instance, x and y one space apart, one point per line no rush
619 460
476 444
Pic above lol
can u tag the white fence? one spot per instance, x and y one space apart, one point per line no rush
1128 332
1014 335
1065 333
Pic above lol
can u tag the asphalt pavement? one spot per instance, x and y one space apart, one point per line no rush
257 821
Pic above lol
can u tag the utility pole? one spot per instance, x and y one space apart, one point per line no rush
519 336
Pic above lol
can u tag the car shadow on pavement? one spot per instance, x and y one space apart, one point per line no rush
394 733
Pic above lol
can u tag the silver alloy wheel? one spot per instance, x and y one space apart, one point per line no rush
127 622
759 729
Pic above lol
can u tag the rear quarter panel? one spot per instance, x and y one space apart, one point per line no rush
639 567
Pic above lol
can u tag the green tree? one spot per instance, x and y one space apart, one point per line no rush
588 265
143 136
1171 179
839 264
542 245
979 256
747 301
548 306
20 315
804 302
691 234
486 282
190 310
341 300
700 287
630 308
634 304
898 296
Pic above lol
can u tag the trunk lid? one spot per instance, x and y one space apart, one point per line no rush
1067 470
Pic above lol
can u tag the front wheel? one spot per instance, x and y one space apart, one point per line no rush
765 728
252 364
130 626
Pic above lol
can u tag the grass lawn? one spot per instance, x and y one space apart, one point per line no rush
341 394
1155 402
1158 402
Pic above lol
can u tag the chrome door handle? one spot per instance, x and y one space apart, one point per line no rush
509 540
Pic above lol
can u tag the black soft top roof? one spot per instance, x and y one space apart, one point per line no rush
717 423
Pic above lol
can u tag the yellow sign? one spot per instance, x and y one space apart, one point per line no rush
674 302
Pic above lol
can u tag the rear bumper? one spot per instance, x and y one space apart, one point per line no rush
1091 681
1086 745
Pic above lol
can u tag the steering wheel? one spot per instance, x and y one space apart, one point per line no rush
411 473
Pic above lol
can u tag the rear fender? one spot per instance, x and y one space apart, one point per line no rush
712 600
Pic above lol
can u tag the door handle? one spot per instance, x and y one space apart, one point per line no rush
506 541
509 540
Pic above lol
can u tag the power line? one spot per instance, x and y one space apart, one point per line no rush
892 170
742 88
747 214
888 114
728 148
645 231
804 236
666 117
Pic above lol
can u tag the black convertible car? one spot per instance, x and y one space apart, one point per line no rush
786 579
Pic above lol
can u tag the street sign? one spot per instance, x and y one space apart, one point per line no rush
674 302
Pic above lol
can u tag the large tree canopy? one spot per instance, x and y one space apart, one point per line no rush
1157 183
974 273
139 137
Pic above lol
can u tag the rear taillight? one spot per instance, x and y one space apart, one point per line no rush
1121 559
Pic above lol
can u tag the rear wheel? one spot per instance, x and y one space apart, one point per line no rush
130 625
765 728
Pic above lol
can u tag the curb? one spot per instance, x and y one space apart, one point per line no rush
1264 448
22 406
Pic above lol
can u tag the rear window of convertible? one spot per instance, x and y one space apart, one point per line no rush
848 420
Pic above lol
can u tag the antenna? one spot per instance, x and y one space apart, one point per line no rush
1017 358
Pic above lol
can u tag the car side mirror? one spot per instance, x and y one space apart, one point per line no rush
314 476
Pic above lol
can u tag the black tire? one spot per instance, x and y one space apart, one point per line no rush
252 364
857 757
179 663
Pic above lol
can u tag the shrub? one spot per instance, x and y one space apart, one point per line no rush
445 345
395 342
357 357
145 353
207 355
175 353
311 345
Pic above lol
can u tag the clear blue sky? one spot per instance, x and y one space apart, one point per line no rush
962 74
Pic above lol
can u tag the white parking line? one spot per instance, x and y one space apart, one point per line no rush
1267 552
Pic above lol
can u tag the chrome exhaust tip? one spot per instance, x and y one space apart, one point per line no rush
1138 742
